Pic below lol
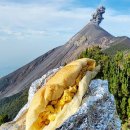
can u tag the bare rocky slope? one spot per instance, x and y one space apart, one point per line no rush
23 77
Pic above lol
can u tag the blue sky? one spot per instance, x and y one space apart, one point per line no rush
29 28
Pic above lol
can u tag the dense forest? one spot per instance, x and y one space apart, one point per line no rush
116 69
10 106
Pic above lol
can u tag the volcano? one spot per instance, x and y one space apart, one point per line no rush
91 34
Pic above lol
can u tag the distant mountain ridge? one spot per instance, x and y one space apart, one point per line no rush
91 34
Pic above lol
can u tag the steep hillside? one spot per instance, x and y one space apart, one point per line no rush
91 34
23 77
121 44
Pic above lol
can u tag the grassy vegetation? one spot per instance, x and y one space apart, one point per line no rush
10 106
116 69
117 47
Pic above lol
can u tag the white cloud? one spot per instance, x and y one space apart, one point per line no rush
42 20
48 19
22 33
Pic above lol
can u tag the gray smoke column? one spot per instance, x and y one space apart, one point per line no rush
97 16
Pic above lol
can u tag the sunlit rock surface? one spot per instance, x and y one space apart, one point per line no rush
98 111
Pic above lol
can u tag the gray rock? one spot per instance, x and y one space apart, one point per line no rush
98 111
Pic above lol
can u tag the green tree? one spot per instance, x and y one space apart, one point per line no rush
3 118
116 69
128 108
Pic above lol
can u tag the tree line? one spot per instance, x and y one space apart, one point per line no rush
116 69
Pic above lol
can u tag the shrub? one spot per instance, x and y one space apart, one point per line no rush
116 69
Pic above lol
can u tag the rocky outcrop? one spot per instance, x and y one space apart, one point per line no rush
98 111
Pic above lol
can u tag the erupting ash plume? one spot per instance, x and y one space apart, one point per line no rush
97 16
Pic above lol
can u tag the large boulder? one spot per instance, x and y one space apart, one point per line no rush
98 111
